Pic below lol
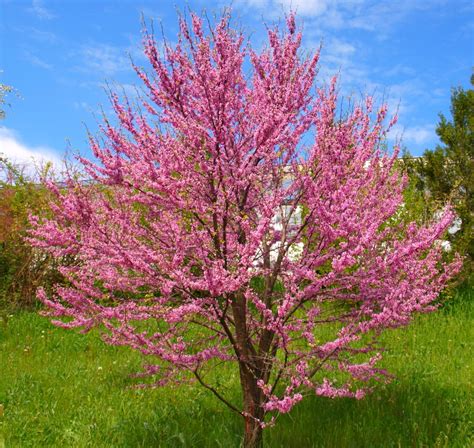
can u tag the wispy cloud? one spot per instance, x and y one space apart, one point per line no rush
36 34
37 61
41 35
150 13
341 47
338 54
20 153
103 59
409 94
399 70
39 10
82 105
420 134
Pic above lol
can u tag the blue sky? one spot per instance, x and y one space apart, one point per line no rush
59 55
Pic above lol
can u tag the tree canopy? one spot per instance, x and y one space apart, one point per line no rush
217 231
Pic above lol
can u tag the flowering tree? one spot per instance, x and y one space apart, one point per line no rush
210 216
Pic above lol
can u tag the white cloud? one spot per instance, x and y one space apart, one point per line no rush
307 8
260 4
19 153
418 135
275 8
38 9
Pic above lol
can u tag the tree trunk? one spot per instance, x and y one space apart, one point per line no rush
249 374
253 435
253 410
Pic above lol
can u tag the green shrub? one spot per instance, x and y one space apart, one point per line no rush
22 268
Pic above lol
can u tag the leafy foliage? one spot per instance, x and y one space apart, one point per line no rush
22 268
447 172
4 90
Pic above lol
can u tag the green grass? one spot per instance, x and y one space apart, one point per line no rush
63 389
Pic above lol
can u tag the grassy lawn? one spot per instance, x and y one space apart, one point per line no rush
63 389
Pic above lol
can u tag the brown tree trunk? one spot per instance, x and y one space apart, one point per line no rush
250 372
253 436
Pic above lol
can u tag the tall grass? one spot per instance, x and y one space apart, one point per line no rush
63 389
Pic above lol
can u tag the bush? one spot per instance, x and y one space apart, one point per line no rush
22 267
